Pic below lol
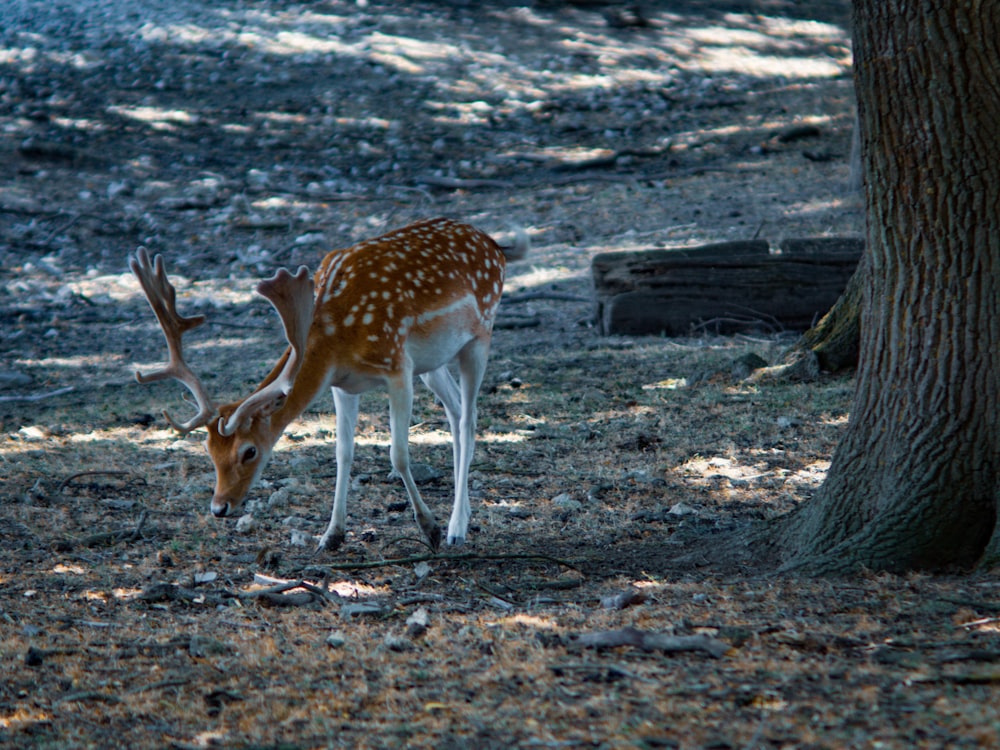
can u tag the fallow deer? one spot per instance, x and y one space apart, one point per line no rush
407 303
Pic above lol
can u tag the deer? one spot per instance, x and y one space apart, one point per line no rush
404 304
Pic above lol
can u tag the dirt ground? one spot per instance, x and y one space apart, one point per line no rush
238 136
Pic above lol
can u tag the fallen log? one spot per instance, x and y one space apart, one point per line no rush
723 287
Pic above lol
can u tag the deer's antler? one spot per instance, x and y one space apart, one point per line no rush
162 298
292 297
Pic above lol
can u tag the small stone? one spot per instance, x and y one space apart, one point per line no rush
424 473
416 623
397 643
201 646
279 497
32 433
421 570
246 524
516 511
567 502
360 608
34 657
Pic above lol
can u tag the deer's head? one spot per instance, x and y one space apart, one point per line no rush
241 435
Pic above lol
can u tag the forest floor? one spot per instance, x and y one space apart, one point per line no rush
237 136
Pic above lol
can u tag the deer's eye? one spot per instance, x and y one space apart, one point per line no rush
248 453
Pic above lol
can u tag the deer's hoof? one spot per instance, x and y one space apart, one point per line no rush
331 542
433 535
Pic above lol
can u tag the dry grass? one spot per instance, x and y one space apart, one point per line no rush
88 661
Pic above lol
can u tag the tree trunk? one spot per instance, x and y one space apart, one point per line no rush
915 482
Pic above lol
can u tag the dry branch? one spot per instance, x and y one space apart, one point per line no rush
278 595
301 599
95 473
34 397
459 183
87 695
651 641
171 592
175 682
609 671
104 538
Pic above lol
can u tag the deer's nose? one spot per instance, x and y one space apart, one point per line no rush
220 507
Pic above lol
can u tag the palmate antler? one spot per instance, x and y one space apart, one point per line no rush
162 298
292 297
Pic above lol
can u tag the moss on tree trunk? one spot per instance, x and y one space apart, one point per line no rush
833 341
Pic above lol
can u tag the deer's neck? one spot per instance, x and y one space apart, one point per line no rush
311 379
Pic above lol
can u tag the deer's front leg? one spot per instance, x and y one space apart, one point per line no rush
346 405
400 410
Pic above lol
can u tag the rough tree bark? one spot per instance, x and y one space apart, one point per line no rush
915 481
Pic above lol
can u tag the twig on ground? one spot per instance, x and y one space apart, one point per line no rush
611 669
87 695
458 183
278 596
415 539
301 599
420 598
104 538
176 682
651 641
171 592
498 597
95 473
74 218
35 396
